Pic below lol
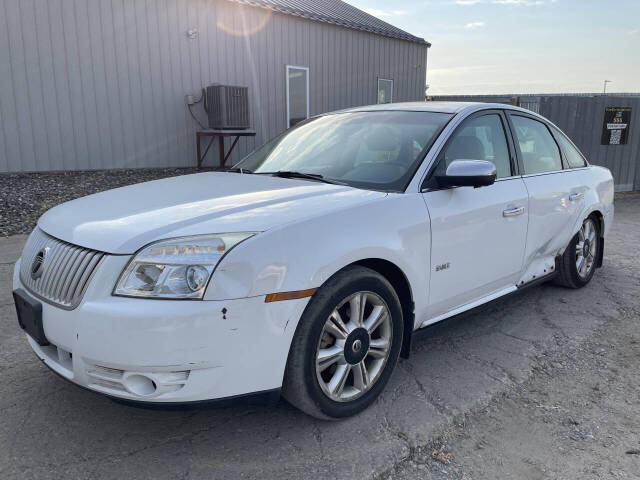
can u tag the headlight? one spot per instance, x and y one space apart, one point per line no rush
176 268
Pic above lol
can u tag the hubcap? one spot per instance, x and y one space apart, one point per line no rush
586 248
354 346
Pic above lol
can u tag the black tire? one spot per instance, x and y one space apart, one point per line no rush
301 387
567 269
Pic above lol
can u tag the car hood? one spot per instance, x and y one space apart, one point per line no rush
123 220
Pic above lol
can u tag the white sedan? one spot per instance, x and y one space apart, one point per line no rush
306 269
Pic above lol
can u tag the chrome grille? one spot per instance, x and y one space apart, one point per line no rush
64 272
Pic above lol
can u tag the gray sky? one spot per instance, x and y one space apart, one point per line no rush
522 46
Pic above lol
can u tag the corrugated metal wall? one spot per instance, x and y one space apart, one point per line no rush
89 84
581 117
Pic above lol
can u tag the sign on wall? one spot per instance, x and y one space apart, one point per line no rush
615 129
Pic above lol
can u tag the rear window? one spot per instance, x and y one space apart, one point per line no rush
540 152
571 153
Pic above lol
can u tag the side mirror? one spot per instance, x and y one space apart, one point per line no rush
468 173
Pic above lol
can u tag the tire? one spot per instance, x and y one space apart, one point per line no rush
570 275
328 343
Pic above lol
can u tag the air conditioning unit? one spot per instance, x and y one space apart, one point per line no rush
227 107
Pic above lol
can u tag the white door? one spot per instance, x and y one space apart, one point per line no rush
556 195
478 234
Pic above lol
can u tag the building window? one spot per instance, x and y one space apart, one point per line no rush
385 90
297 95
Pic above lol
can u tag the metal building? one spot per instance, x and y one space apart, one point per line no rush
94 84
586 119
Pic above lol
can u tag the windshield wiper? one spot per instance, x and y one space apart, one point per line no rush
308 176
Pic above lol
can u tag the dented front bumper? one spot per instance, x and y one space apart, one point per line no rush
169 351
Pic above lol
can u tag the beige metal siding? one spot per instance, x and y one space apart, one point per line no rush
90 84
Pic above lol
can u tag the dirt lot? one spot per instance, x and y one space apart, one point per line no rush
542 384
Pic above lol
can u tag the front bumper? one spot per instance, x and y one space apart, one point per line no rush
167 351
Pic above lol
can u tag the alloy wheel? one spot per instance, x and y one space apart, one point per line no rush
586 248
354 346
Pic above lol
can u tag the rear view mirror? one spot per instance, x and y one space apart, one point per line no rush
468 173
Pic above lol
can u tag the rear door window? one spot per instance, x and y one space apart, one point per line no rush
571 154
538 149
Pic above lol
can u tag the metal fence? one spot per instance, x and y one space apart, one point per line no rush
582 117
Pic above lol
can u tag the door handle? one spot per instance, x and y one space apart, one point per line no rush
575 196
512 212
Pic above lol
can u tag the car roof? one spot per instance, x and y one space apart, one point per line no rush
440 107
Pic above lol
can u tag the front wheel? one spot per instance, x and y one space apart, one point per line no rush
346 345
578 263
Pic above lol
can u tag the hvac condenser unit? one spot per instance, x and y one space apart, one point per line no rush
227 106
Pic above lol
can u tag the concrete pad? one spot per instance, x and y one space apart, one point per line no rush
11 248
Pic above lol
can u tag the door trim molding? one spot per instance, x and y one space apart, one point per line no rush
469 306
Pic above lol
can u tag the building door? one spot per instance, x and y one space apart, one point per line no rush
297 95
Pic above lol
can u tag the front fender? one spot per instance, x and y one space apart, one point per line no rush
304 254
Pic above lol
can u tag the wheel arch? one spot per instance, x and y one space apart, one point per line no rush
593 211
599 217
400 283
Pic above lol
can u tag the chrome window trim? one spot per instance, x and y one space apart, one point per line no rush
512 177
566 170
546 173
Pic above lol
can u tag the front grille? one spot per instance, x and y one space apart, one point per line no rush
57 271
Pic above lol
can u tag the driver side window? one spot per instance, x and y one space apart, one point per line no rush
481 138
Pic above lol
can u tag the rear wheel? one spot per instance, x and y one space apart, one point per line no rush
578 263
346 345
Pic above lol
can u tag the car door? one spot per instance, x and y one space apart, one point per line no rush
556 194
478 234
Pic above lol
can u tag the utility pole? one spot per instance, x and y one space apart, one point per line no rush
605 85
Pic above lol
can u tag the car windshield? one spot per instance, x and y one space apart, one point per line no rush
375 150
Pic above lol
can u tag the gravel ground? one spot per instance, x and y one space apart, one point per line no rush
26 196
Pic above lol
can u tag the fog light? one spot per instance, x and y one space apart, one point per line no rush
140 385
196 277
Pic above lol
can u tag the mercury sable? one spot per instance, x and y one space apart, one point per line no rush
306 268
